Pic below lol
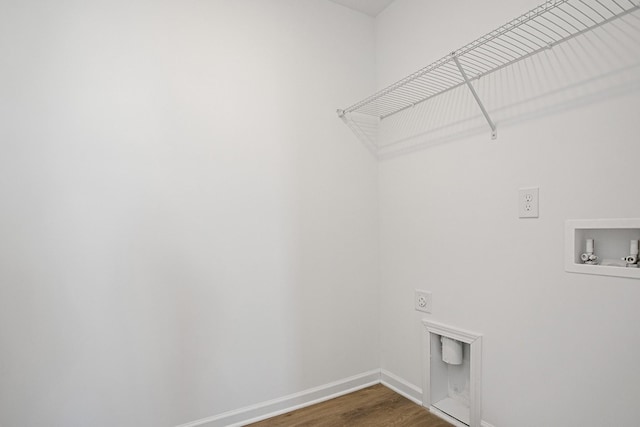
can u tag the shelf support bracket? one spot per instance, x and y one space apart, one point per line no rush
494 132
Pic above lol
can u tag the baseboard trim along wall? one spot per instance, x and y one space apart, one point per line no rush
401 386
271 408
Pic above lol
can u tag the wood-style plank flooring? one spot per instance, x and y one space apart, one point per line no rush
374 406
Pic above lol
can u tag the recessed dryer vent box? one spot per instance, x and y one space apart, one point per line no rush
451 384
611 243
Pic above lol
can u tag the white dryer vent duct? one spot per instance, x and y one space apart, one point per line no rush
451 351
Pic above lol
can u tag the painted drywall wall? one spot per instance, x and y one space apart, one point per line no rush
186 227
558 348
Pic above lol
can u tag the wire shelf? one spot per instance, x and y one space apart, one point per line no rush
541 28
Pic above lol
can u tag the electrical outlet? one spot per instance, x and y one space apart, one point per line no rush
528 202
423 301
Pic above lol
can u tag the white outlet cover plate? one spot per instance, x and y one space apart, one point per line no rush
423 301
528 202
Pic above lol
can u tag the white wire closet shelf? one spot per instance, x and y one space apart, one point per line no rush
547 25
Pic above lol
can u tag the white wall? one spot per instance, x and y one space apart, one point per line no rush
186 227
559 349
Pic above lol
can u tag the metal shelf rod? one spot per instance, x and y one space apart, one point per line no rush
494 133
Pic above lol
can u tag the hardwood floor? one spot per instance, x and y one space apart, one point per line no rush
372 407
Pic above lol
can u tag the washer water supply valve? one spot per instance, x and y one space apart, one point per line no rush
632 258
589 257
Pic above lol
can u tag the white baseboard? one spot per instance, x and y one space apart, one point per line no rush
401 386
271 408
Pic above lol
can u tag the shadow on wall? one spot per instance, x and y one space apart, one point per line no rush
600 64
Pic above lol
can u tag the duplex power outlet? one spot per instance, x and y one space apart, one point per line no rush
528 202
423 301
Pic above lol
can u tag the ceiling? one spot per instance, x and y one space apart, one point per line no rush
370 7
